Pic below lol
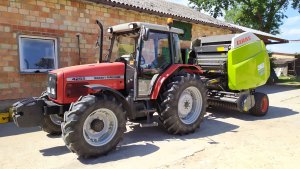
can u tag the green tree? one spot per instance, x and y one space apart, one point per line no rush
264 15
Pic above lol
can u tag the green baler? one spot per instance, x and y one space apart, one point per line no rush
234 66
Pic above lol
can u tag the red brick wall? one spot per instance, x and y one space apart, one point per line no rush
62 19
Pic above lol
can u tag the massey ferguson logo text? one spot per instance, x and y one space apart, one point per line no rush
95 78
244 40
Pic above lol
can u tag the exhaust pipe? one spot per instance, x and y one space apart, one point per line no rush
101 39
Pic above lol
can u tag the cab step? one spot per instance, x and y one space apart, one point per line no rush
153 124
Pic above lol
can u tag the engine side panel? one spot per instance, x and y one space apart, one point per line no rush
248 66
71 85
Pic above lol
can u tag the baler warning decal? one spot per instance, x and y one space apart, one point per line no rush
220 49
83 78
261 69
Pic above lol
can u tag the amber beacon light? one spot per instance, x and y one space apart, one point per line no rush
170 22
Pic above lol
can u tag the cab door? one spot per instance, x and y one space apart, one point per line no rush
154 56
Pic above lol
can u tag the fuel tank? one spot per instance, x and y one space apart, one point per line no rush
67 84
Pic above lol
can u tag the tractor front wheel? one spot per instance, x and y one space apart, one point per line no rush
183 104
94 125
261 106
51 124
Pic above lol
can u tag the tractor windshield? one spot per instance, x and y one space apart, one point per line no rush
123 46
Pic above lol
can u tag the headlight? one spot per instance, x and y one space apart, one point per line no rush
52 86
53 91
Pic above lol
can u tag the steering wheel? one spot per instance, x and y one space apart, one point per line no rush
120 59
164 65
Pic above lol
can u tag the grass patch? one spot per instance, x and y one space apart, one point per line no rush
289 80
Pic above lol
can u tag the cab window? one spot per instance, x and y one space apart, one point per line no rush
155 52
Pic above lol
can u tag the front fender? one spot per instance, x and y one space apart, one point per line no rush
101 88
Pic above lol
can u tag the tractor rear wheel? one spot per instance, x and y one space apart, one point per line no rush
261 106
183 104
94 125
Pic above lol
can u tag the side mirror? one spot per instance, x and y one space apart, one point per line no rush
145 33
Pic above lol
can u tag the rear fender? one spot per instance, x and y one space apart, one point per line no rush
193 69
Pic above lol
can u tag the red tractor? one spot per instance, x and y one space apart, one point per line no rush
90 104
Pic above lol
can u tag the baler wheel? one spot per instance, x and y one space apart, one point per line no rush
261 106
183 104
94 125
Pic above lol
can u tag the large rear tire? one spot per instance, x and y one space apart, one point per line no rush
261 106
183 104
94 125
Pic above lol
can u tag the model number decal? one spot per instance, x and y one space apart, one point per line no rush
83 78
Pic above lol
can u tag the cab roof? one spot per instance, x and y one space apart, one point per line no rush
136 25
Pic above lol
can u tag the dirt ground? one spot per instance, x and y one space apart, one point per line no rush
226 139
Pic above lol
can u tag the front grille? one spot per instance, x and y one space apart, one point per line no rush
52 86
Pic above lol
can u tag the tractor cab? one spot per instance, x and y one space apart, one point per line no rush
147 50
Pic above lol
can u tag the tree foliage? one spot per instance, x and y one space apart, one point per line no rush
264 15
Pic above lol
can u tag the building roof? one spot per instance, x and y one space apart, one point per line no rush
166 9
285 54
266 37
283 61
184 13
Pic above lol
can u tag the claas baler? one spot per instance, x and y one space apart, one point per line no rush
234 65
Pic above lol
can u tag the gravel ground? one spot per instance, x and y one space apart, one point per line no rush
226 139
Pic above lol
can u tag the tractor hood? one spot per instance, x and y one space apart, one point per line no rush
70 81
99 69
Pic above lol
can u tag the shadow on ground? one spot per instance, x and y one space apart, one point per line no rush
133 145
274 112
143 141
123 152
10 129
270 89
55 151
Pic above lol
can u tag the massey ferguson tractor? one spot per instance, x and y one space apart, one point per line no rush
90 104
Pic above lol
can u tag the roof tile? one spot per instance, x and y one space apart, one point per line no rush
178 11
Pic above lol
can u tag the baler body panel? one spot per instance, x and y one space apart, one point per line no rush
235 61
248 66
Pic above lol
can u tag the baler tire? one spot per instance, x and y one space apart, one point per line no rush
49 126
169 101
73 127
261 106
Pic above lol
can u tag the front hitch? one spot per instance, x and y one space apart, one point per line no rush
28 112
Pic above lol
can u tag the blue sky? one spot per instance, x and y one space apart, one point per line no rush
289 30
